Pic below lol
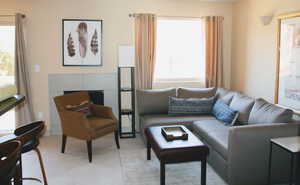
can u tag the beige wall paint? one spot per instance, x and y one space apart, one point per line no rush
43 19
254 46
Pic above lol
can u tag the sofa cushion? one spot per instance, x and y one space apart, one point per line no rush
243 104
154 101
265 112
225 95
215 133
190 106
164 119
196 92
224 113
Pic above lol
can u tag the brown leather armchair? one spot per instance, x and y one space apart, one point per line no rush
79 125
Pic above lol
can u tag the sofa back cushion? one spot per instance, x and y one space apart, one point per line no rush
243 104
225 95
196 92
190 106
265 112
154 101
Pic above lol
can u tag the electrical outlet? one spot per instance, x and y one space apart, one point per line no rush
37 68
40 115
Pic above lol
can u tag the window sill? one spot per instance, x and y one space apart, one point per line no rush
176 84
177 81
6 132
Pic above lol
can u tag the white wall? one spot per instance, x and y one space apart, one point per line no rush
43 26
254 46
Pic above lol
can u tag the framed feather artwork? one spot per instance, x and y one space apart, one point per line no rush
82 42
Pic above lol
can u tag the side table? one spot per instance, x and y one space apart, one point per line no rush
289 144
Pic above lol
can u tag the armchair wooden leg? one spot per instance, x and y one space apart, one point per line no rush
63 146
89 147
117 139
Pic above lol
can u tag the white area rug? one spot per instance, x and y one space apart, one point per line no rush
127 166
137 170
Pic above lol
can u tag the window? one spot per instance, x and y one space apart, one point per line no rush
179 51
7 79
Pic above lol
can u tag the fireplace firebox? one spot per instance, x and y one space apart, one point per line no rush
96 96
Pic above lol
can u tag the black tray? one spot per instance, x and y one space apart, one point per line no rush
174 133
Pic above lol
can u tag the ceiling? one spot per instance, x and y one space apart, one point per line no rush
229 1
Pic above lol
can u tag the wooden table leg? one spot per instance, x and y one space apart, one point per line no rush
297 177
292 169
148 151
162 173
270 165
203 172
42 166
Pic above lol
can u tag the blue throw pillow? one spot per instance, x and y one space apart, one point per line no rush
188 106
224 113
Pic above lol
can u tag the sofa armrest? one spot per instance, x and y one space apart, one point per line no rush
248 152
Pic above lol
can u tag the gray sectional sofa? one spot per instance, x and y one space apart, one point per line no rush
239 153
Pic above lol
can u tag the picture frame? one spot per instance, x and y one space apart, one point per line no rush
82 42
287 88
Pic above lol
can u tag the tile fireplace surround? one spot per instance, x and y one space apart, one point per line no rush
58 83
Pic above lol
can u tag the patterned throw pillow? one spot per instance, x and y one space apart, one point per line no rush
224 113
182 106
83 107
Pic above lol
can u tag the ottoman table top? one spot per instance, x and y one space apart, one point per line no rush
191 149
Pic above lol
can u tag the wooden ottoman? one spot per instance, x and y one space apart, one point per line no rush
176 151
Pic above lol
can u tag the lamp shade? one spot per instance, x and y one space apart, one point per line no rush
126 56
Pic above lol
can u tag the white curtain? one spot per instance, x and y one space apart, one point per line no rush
24 112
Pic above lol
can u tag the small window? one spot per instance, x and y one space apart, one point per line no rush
179 51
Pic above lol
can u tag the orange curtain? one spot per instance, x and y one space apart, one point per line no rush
145 43
213 30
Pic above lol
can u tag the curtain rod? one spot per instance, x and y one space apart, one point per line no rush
134 15
23 16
